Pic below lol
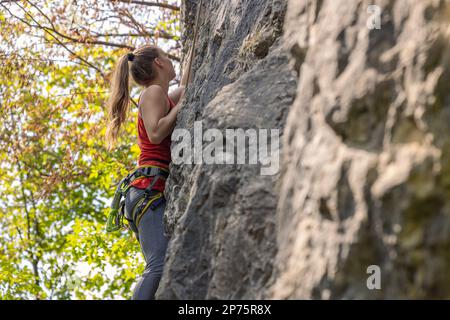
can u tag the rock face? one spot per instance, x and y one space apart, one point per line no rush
365 176
364 120
221 217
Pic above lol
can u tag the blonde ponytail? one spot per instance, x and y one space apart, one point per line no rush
142 72
118 102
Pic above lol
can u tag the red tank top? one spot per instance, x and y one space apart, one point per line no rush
150 153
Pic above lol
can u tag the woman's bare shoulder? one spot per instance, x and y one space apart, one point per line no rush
153 92
151 95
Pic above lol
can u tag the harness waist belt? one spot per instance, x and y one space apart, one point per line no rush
115 216
147 171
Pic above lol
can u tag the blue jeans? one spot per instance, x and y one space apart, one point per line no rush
153 243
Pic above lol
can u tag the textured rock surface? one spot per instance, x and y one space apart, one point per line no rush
365 172
222 217
366 166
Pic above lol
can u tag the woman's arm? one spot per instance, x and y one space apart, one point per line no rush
177 94
153 111
187 65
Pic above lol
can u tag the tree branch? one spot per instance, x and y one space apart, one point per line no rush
38 26
46 29
150 3
50 30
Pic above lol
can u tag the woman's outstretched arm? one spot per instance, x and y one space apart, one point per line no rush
185 71
177 94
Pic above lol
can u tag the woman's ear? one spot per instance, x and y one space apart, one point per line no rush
158 62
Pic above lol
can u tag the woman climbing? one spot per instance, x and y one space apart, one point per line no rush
143 208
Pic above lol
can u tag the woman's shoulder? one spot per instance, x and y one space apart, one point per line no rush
153 92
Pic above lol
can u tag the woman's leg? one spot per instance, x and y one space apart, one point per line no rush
153 244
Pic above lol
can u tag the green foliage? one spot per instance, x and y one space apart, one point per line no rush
57 178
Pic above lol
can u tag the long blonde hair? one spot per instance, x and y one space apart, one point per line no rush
140 64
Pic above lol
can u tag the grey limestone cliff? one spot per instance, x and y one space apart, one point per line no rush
364 177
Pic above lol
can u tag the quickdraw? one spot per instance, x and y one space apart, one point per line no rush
117 209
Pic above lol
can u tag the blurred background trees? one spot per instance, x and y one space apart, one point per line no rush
57 179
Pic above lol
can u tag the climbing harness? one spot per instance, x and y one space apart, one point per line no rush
151 198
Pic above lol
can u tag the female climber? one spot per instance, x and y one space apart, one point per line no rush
151 68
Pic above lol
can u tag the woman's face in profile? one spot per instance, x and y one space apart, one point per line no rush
167 65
